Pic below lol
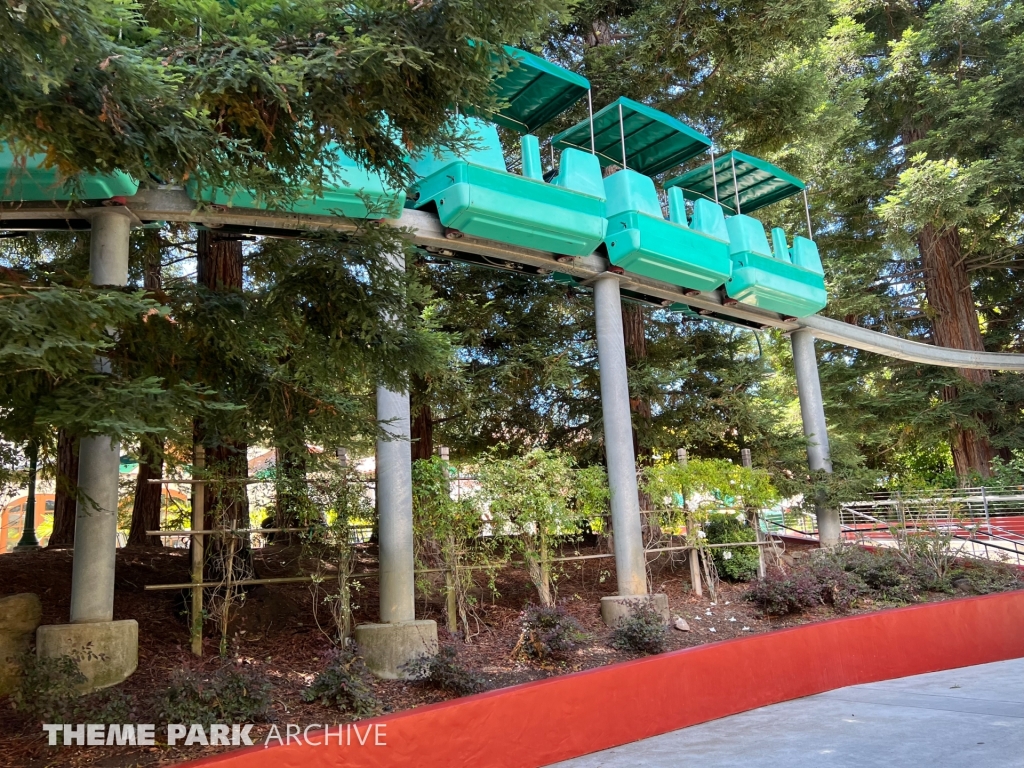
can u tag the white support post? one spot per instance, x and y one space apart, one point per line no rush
627 536
394 508
92 580
113 645
812 410
399 638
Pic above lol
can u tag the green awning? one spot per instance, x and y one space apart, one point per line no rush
536 90
760 183
655 142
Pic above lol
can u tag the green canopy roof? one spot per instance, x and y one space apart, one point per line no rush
536 90
760 183
655 142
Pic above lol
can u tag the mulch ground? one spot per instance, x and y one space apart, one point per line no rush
280 635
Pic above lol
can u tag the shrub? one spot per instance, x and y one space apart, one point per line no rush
345 685
49 688
445 672
985 577
820 582
885 572
735 563
550 631
643 631
779 593
230 694
834 585
49 693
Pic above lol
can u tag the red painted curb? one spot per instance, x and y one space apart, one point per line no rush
541 723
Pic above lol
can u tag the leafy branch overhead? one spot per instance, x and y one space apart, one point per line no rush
249 93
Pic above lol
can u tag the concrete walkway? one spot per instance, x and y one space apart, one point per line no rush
963 717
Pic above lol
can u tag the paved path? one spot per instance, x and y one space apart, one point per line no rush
963 717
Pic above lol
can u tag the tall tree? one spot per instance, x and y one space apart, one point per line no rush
148 495
65 494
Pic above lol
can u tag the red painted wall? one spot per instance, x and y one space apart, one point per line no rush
540 723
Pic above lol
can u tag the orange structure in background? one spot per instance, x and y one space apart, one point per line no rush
12 521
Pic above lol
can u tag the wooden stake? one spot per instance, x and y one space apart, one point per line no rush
198 502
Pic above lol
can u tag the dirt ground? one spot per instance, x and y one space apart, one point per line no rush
282 638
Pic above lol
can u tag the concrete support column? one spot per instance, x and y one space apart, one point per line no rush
399 638
113 645
812 411
394 508
92 580
627 536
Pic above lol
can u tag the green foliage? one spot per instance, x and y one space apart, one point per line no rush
642 631
885 572
820 582
48 690
444 672
550 632
534 499
246 92
228 694
985 577
703 485
332 500
735 563
344 685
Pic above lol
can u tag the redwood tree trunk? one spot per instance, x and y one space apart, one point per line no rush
64 504
146 506
219 267
955 325
422 429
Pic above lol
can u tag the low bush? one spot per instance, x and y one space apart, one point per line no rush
887 574
983 577
445 672
48 692
229 694
733 563
550 631
820 582
643 631
345 685
49 688
780 593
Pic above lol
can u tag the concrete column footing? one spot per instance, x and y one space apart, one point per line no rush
107 652
386 647
617 607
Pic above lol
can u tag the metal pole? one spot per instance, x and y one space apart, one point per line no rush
92 573
590 111
745 458
984 501
622 136
714 175
812 410
807 210
681 456
28 540
630 563
735 183
394 500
